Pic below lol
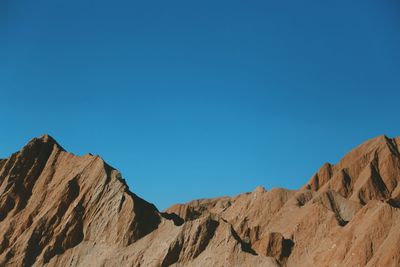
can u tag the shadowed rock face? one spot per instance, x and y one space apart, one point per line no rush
58 209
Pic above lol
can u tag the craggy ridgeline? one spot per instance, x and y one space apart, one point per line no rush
59 209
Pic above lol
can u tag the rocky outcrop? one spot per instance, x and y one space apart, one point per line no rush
59 209
275 245
52 201
369 172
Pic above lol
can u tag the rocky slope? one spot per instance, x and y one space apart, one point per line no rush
58 209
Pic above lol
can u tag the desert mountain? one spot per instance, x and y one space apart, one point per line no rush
59 209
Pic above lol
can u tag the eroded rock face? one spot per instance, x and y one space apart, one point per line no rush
58 209
275 245
52 201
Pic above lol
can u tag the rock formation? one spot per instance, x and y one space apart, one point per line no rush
59 209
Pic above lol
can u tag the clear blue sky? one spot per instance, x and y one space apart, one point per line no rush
193 99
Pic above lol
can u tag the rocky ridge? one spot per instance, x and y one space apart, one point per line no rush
59 209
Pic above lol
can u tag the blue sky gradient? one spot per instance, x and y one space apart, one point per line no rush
193 99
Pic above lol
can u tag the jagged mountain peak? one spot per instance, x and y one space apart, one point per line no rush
52 200
44 139
370 171
59 209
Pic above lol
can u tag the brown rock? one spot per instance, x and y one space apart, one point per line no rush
52 201
275 245
58 209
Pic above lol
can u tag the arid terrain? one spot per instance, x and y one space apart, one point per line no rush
59 209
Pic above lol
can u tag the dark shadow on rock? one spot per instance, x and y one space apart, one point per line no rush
178 221
395 203
287 248
172 254
246 247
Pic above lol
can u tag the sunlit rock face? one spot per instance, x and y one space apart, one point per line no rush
59 209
